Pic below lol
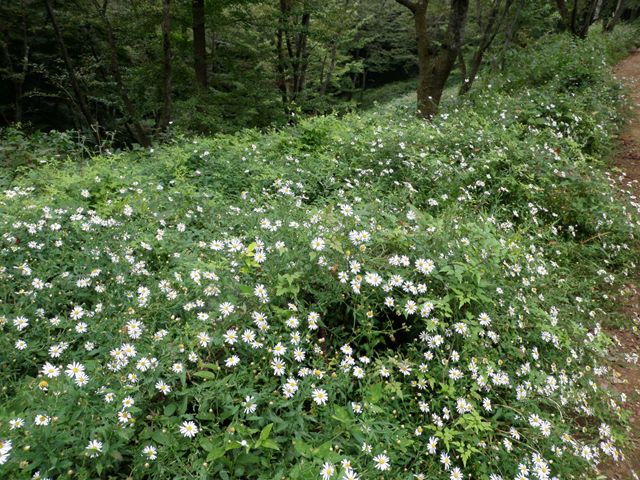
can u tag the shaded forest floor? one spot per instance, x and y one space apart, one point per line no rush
624 360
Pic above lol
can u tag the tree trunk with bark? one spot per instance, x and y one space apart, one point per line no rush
292 52
436 59
579 17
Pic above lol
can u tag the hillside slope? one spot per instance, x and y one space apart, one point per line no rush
351 297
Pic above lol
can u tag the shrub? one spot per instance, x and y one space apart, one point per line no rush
365 297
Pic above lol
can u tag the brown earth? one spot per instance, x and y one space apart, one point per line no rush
625 365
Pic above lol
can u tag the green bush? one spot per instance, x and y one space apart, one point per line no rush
359 297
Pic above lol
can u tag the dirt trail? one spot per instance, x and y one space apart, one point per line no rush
626 371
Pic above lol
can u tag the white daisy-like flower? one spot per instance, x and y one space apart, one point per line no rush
189 429
150 452
381 462
320 396
317 244
327 471
41 420
94 448
232 361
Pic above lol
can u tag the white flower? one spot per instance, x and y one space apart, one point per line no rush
485 320
94 448
81 379
163 387
278 367
320 396
16 423
381 462
425 266
5 448
328 470
226 309
73 369
177 367
456 474
232 361
50 371
41 420
150 452
249 405
349 474
317 244
432 444
189 429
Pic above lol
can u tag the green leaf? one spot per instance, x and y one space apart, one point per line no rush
341 414
264 441
270 444
375 393
205 374
170 409
216 453
161 437
301 447
266 431
207 444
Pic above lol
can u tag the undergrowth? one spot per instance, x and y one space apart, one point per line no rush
371 296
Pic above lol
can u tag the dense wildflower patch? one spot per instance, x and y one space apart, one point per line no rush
367 297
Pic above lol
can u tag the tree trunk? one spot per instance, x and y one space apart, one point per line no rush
302 54
580 17
508 35
24 67
199 43
80 99
436 62
598 10
332 66
609 25
363 87
564 14
165 118
585 18
462 64
293 61
491 29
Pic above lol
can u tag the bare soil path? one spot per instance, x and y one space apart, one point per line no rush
624 356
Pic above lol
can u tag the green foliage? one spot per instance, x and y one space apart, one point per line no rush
434 291
19 150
